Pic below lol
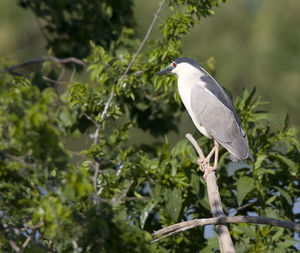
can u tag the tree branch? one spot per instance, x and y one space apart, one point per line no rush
186 225
54 81
107 104
6 229
49 58
145 38
103 115
225 242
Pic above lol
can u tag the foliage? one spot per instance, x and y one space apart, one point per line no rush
51 191
69 30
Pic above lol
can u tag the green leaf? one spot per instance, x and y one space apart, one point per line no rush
145 213
270 200
245 229
244 186
284 194
212 244
174 203
259 160
271 213
278 234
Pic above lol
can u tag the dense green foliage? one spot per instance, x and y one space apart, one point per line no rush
50 190
70 25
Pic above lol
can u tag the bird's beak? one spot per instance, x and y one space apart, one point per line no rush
167 70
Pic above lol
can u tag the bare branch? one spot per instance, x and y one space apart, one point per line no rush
73 74
33 227
95 177
58 81
145 38
225 241
186 225
107 104
27 241
62 73
245 206
90 118
195 144
54 81
9 228
49 58
103 115
13 245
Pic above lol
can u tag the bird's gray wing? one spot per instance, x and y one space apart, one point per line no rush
219 121
215 88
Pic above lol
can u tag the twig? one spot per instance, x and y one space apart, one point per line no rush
245 206
54 81
225 241
27 241
186 225
145 38
90 118
195 144
107 104
49 58
97 168
73 74
32 227
13 245
58 81
18 232
61 74
103 115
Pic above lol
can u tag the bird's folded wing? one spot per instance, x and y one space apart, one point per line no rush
219 121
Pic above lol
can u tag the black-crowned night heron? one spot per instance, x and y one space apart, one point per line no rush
211 110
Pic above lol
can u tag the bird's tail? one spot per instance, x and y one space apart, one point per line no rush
238 149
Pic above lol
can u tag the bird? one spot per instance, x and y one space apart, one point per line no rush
211 110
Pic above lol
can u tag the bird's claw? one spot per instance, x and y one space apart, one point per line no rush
208 169
205 167
203 162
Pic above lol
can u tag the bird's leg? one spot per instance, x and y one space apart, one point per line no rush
205 161
208 168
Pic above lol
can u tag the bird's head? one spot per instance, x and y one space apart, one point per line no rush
180 66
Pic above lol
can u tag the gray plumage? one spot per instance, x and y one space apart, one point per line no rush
220 122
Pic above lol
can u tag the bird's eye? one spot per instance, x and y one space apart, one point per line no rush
174 64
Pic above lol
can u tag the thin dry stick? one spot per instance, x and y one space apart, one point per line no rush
145 38
18 232
59 79
13 245
103 115
186 225
107 104
49 58
27 241
225 242
54 81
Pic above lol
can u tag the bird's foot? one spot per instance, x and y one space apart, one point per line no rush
203 163
208 169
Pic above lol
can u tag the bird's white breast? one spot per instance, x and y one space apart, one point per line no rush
186 82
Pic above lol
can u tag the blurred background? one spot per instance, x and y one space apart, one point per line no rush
255 43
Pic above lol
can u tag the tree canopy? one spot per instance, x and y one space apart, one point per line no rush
69 26
110 192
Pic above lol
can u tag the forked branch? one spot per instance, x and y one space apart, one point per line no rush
186 225
219 218
225 241
11 69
